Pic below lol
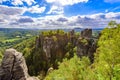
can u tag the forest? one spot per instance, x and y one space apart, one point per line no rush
11 36
106 65
67 55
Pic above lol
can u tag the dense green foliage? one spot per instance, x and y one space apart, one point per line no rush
108 54
106 65
73 69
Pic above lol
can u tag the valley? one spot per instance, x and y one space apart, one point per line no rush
58 54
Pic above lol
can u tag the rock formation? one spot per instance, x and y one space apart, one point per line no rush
86 44
86 33
72 37
14 67
52 46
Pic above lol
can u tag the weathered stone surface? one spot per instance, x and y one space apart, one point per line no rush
87 33
72 37
14 67
50 70
86 44
48 45
54 48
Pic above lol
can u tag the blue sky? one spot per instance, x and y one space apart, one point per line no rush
52 14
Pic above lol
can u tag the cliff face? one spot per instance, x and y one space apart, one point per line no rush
14 67
54 46
86 44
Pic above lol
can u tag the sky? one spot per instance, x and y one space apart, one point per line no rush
58 14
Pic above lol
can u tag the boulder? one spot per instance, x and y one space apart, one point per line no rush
14 67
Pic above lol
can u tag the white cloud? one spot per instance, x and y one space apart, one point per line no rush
29 2
12 17
25 20
66 2
112 1
10 14
113 15
97 16
3 21
58 5
19 2
11 10
36 9
100 20
56 10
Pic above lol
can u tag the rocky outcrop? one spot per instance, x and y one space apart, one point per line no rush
52 46
72 37
14 67
47 46
86 33
86 44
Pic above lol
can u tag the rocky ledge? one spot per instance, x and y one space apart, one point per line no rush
13 66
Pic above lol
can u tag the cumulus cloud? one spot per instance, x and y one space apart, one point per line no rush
11 10
20 2
36 9
25 20
87 22
112 1
100 20
113 15
3 21
62 19
17 2
56 10
58 5
14 23
66 2
98 16
10 14
20 10
21 22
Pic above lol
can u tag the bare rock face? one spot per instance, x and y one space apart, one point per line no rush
47 46
54 46
86 44
14 67
87 33
82 47
72 37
